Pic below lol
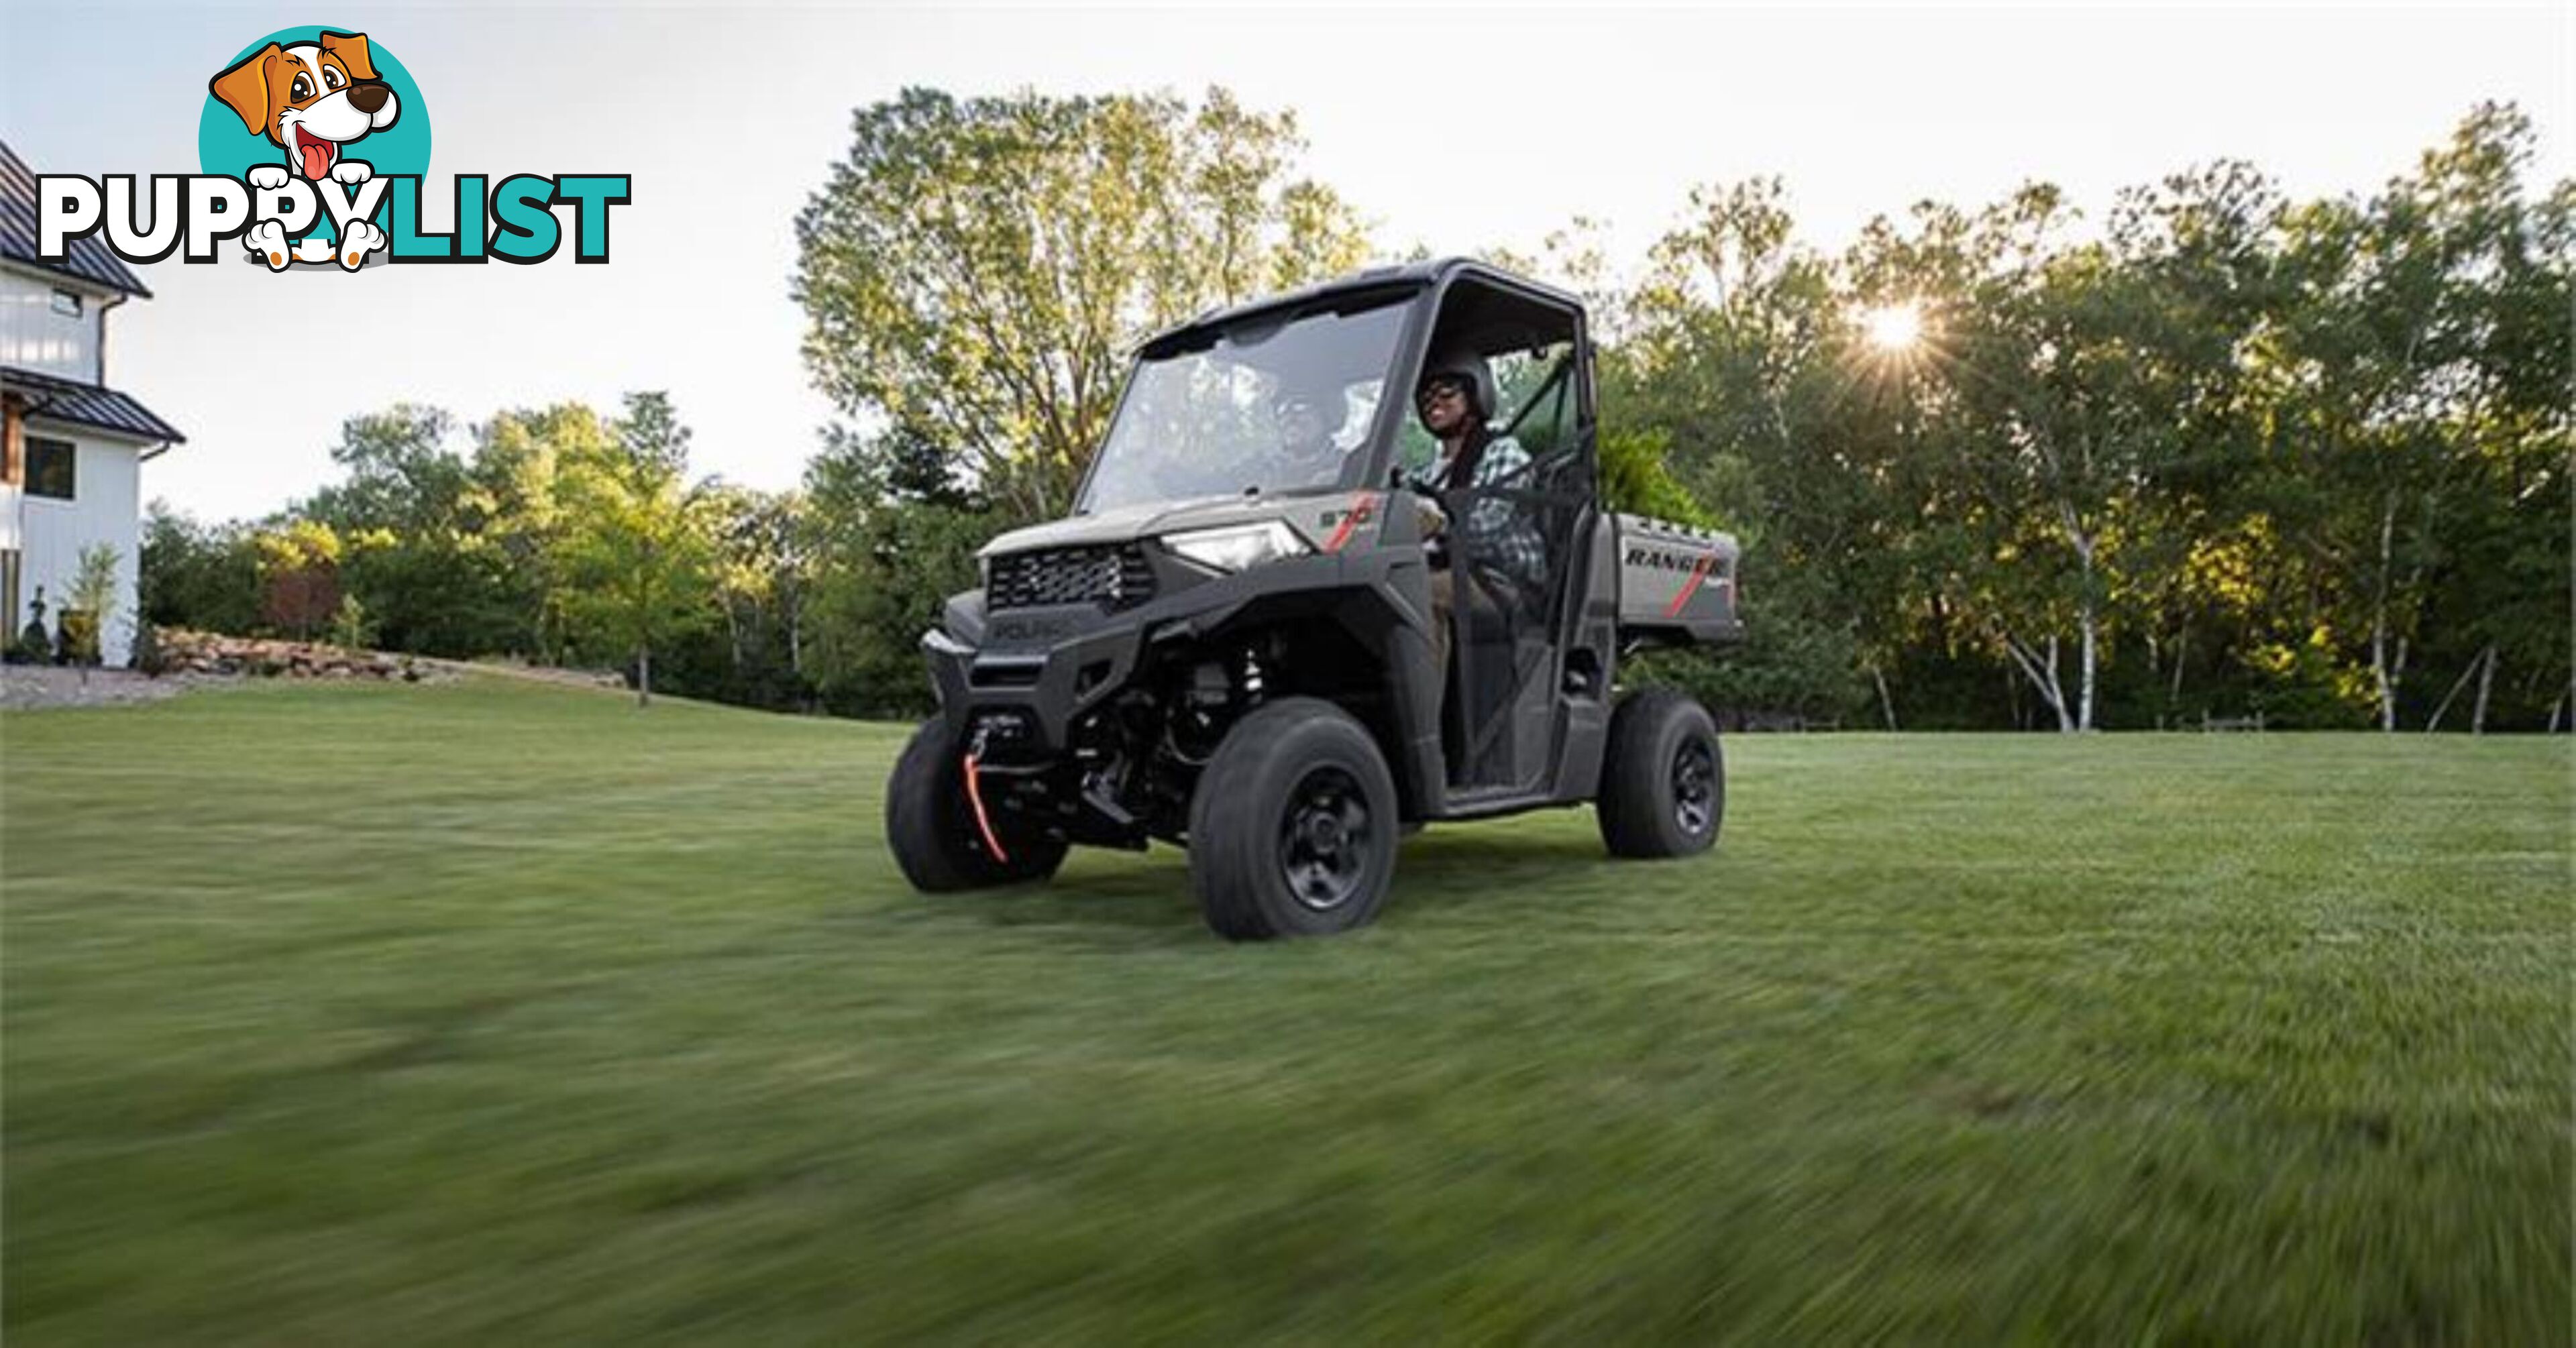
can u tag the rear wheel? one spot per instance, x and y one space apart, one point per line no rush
1663 779
1293 825
931 826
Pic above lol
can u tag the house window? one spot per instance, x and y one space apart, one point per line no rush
49 468
67 303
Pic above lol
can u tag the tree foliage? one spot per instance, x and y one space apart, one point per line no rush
974 268
638 548
2210 452
2222 452
893 538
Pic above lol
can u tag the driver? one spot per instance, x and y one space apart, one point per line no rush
1454 400
1309 417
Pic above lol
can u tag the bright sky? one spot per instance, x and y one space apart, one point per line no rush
1453 129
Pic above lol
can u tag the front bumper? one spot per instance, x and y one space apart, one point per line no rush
1022 700
1023 677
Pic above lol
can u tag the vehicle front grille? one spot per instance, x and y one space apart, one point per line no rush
1115 577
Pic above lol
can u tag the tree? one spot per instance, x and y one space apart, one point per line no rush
398 471
196 575
430 584
763 573
299 570
637 546
89 605
2284 450
2201 250
2219 453
516 512
1635 478
2416 376
2040 410
1738 348
2506 595
973 269
892 540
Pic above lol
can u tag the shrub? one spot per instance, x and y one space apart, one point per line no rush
91 605
76 637
148 656
351 627
33 646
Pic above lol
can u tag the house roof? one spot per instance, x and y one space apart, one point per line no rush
87 259
90 405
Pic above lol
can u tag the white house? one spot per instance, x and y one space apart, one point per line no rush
71 468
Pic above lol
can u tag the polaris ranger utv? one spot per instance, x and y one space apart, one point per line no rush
1232 643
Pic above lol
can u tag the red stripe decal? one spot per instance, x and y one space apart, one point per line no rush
1361 510
1691 586
984 825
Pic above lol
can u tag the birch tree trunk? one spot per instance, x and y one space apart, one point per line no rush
2486 682
796 631
2087 620
2088 662
2057 689
2381 676
2397 671
2173 699
2042 675
2155 667
2434 722
2087 623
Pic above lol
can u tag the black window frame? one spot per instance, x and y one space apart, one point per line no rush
70 474
56 302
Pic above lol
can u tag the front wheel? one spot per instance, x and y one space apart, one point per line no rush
1663 780
931 825
1293 825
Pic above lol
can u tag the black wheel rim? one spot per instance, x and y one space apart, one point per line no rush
1325 837
1694 786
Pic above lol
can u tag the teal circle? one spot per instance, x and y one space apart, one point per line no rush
224 147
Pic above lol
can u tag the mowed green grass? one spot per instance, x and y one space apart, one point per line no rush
494 1012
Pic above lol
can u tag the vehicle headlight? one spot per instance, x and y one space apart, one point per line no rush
1237 546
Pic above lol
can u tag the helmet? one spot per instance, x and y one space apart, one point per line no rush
1462 364
1330 400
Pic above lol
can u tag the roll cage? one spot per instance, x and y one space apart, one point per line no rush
1454 300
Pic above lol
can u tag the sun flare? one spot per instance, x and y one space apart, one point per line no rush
1893 327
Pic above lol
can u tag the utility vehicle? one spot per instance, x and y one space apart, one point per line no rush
1230 644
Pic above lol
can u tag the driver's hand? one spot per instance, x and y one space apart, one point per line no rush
1431 518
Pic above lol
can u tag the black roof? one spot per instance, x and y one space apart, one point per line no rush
86 259
87 405
1393 278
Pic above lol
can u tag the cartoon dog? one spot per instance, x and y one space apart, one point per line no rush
310 99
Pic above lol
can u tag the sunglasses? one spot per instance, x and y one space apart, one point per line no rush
1436 392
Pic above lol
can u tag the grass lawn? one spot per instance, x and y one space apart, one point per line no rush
501 1012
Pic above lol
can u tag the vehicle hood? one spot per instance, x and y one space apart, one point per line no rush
1301 511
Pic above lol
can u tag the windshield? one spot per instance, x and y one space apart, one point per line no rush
1267 406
